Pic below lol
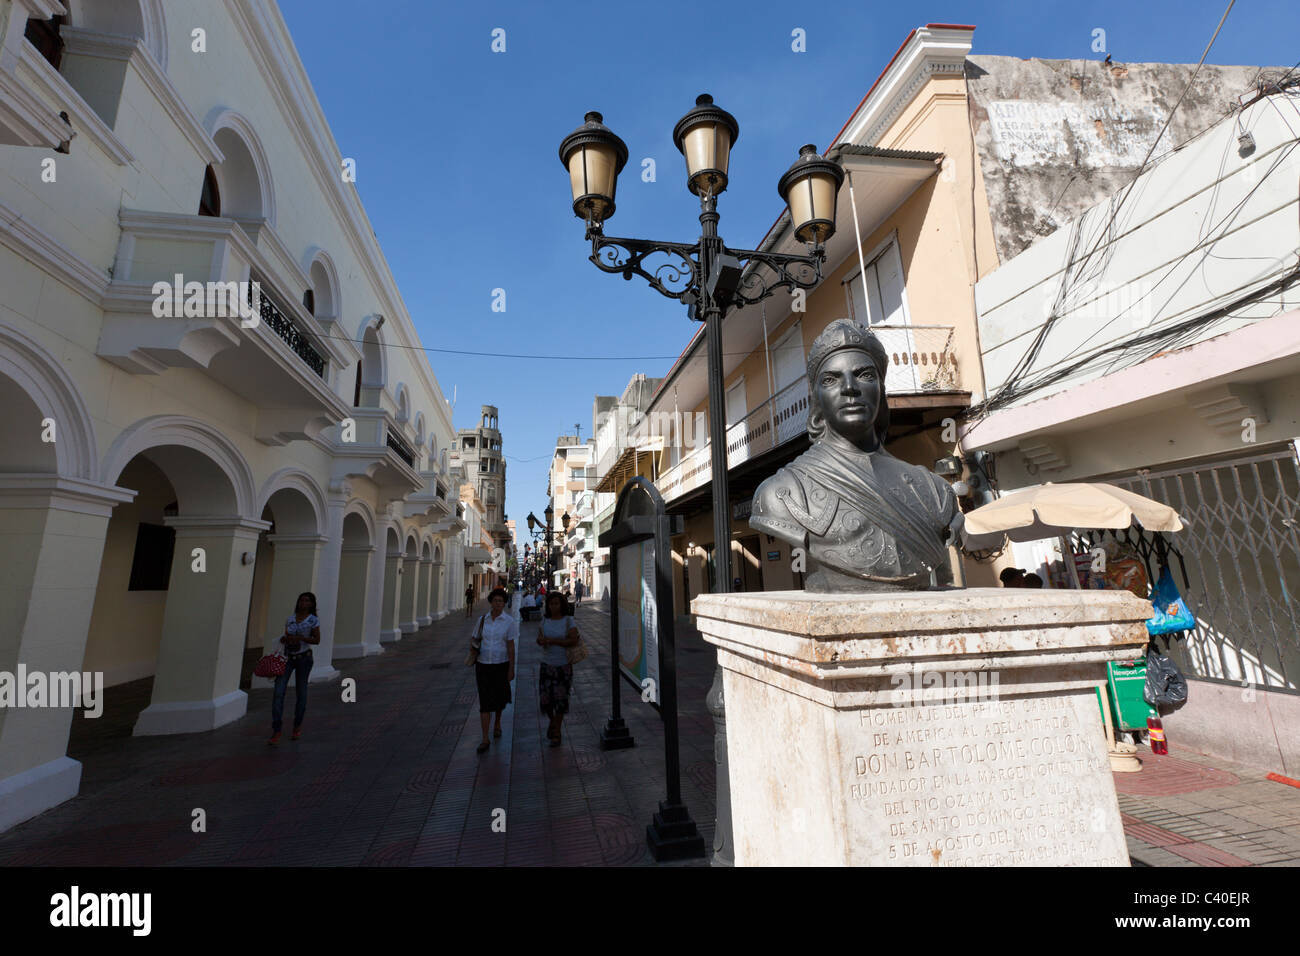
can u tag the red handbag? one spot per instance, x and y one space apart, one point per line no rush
272 665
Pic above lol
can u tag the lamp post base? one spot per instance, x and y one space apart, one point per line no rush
673 834
616 736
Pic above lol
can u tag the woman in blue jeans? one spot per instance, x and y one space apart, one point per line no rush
301 631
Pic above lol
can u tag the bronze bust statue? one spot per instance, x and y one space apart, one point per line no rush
867 521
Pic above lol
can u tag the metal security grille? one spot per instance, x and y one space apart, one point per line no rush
1241 549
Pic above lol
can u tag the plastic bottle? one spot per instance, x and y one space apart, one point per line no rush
1156 735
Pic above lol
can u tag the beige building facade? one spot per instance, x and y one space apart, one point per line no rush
913 235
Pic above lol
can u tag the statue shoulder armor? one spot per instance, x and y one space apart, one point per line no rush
770 513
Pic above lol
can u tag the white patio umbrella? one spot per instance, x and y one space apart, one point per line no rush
1054 511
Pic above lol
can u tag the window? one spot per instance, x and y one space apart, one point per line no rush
787 358
309 301
44 35
467 442
356 391
210 199
736 402
886 302
151 565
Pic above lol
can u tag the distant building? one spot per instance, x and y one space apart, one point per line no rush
479 450
617 459
571 488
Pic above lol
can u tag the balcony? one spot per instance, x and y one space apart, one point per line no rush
29 103
371 454
403 450
921 372
776 421
428 506
278 358
290 334
920 358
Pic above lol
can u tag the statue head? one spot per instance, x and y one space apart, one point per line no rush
846 382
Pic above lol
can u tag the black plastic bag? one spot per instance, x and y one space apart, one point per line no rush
1166 687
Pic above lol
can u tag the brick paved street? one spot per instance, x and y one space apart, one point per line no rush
394 780
390 780
1188 810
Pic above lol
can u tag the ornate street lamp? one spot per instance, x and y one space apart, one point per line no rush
704 136
594 157
809 187
710 279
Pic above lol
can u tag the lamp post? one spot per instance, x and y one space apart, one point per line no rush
710 279
540 531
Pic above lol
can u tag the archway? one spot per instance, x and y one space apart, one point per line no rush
324 287
244 175
372 370
354 577
53 519
410 585
425 581
172 596
286 563
388 627
438 595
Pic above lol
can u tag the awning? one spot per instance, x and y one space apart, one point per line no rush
475 554
625 466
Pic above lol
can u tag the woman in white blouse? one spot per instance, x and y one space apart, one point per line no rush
301 631
495 668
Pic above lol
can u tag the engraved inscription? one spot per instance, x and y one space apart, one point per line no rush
986 783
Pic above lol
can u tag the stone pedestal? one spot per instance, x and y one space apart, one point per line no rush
930 728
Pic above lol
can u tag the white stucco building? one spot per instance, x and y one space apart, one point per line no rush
304 452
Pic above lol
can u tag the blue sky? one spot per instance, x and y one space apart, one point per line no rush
457 163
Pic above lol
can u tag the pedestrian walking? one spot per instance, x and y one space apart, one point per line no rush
495 668
579 590
301 631
527 606
556 634
469 599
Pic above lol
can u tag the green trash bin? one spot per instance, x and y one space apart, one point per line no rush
1125 682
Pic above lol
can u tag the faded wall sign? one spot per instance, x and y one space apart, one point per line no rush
1030 133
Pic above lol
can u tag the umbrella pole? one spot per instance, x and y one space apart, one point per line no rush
1067 555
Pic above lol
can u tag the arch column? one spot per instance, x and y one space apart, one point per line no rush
422 616
356 577
389 630
51 543
196 687
296 568
410 585
327 587
374 614
437 599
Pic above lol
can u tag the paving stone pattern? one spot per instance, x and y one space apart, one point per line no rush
390 780
394 780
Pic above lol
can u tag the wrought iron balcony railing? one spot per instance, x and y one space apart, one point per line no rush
288 331
403 450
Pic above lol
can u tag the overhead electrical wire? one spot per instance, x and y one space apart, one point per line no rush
1007 391
517 355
